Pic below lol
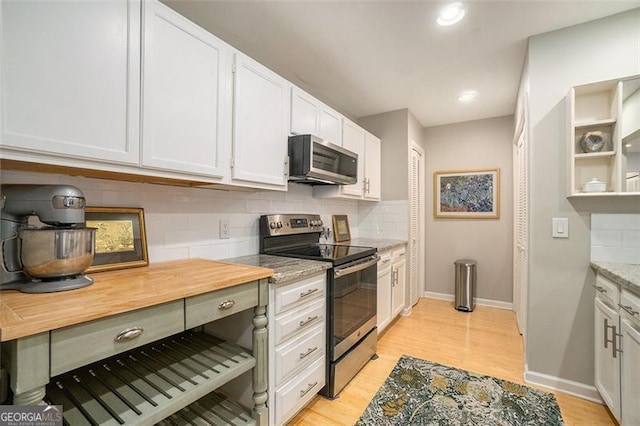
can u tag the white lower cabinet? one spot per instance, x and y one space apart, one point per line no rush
392 271
297 345
630 360
617 350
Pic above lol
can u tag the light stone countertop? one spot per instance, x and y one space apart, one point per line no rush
286 269
625 274
382 244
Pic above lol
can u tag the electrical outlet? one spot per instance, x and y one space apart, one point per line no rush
224 229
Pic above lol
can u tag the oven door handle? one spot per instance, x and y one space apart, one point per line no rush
337 273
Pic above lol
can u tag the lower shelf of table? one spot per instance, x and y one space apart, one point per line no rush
169 381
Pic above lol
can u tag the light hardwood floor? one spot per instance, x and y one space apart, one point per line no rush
485 341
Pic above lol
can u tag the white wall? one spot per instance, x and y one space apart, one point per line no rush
184 222
560 311
471 145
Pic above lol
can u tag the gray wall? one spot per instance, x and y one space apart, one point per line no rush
477 144
560 307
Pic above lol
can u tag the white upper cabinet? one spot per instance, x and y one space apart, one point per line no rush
187 98
261 107
367 146
372 167
310 116
71 78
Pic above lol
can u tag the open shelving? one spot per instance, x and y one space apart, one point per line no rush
170 381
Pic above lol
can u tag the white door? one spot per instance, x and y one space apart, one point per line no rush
304 113
353 140
607 368
372 166
521 220
187 101
71 78
630 373
416 224
260 124
330 125
399 284
384 292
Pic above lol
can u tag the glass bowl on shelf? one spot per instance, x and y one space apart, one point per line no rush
593 141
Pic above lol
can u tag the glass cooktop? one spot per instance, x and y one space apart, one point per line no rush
326 252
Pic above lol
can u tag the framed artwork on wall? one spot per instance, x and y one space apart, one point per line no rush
341 231
121 240
467 194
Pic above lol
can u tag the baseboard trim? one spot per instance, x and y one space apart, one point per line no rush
580 390
482 302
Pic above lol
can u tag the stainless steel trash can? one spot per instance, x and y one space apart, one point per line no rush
465 284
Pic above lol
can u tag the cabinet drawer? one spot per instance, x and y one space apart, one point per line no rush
209 307
299 352
385 260
298 320
298 392
630 307
292 295
607 289
82 344
399 254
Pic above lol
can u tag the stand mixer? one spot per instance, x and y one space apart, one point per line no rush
47 258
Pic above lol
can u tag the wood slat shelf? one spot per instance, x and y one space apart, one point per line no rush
159 381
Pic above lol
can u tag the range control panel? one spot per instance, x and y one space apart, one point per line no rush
289 224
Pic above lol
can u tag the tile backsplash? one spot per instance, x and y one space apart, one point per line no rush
615 238
385 219
184 222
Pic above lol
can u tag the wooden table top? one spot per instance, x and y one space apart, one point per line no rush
115 292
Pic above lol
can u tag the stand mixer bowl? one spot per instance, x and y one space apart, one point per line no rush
49 253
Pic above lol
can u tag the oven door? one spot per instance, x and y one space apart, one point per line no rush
353 304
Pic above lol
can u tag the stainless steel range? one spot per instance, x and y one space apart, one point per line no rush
352 291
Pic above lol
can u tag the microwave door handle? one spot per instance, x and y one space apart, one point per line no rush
337 273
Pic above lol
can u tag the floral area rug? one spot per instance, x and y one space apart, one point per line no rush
419 392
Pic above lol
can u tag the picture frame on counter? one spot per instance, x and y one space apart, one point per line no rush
121 240
341 231
467 194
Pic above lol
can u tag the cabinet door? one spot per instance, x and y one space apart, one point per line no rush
399 285
71 78
372 167
353 140
330 125
384 293
304 113
186 97
630 373
260 124
607 368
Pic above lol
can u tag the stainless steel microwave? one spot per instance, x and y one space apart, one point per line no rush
318 162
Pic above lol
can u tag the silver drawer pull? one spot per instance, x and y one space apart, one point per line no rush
308 352
629 310
386 261
306 391
308 292
227 304
308 320
128 334
600 289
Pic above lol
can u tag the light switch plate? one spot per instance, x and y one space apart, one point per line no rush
560 227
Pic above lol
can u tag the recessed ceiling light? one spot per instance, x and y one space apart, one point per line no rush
468 96
628 145
451 14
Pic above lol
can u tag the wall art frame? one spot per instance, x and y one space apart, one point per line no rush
121 240
341 231
466 194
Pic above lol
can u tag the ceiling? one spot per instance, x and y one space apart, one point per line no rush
368 57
